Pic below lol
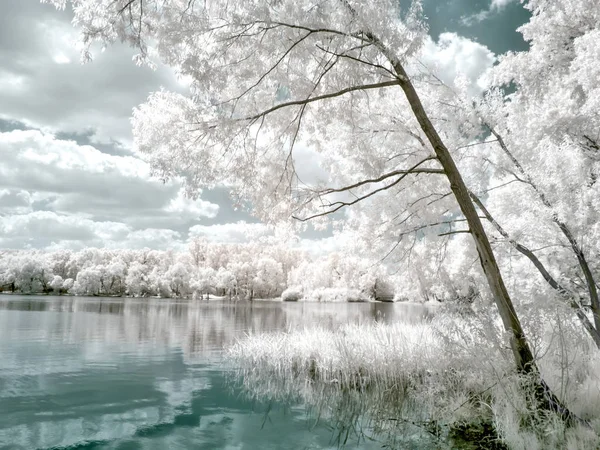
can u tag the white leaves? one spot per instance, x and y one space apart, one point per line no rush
245 58
255 68
58 4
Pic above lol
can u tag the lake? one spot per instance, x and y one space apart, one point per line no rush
112 373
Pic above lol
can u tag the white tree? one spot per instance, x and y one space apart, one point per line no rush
177 278
269 279
88 282
225 280
198 249
339 75
244 274
542 199
68 284
137 280
203 281
57 284
115 276
31 275
9 271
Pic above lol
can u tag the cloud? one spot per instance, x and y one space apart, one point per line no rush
453 56
81 179
15 201
46 87
500 4
47 229
72 155
495 7
160 238
308 165
47 225
191 209
324 246
79 191
238 232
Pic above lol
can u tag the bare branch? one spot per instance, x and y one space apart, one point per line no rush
431 225
385 177
359 60
501 185
308 100
355 35
273 67
127 5
474 144
339 205
449 233
569 296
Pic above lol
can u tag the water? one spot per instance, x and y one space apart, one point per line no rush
106 373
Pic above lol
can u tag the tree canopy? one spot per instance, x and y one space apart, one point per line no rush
417 160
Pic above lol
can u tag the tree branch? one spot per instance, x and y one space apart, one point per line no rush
385 177
564 228
308 100
568 296
339 205
449 233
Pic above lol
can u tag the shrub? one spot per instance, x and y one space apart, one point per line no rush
292 294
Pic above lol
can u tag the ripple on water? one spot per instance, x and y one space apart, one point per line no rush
147 373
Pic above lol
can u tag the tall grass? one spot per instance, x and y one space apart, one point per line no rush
442 383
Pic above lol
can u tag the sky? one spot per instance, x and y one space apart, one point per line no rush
68 175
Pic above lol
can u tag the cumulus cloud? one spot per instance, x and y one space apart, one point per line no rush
54 190
238 232
47 225
160 238
495 7
40 66
71 156
324 246
499 4
81 179
183 206
47 229
15 201
453 56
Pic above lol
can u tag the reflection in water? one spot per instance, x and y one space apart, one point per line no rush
196 327
147 373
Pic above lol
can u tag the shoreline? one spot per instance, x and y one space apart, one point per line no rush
219 298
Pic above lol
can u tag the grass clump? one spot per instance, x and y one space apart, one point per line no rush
444 383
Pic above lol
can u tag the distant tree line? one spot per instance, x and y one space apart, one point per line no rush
234 271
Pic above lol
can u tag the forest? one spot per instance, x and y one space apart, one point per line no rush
233 271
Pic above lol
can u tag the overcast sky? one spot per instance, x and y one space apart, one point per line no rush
67 175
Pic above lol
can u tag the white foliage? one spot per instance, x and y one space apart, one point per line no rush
255 69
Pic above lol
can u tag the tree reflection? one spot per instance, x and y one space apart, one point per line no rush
201 328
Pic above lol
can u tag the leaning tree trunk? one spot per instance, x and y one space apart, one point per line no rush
565 294
522 353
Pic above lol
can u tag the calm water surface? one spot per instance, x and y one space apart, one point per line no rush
106 373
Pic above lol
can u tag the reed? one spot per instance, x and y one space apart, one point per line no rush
445 382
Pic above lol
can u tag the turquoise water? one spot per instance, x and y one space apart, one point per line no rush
106 373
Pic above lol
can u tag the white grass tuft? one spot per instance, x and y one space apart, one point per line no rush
429 378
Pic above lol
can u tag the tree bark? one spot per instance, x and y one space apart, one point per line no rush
520 348
563 227
585 321
522 354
